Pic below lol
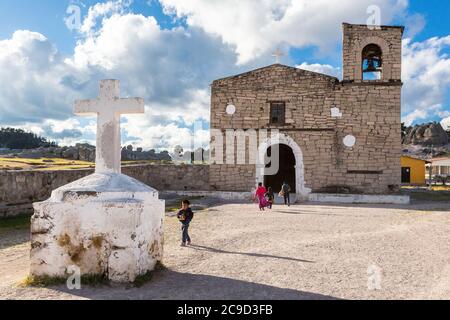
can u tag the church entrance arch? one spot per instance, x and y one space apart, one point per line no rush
287 152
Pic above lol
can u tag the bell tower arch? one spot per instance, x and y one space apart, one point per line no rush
372 53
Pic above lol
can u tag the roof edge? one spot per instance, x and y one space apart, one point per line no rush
381 26
276 64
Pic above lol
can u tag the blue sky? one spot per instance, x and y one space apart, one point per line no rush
170 58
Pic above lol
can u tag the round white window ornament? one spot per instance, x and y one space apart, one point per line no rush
231 109
349 141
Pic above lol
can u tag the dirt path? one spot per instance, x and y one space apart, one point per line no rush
302 252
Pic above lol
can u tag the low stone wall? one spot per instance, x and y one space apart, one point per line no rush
19 189
359 198
313 197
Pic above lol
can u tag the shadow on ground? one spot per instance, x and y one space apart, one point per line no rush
14 230
413 206
306 212
11 238
170 285
257 255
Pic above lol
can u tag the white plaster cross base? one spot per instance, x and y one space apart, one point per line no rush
104 224
108 107
107 223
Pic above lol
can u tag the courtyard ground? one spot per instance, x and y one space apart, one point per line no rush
307 251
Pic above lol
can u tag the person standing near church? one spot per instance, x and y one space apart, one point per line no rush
285 192
260 194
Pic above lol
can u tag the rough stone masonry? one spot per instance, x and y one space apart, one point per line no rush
107 223
318 113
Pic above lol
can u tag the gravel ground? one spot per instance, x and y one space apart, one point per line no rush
307 251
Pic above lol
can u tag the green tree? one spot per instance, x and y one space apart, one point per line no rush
12 138
405 130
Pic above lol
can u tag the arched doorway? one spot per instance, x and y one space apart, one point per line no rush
290 148
286 170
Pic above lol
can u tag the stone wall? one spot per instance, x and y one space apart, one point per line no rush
18 189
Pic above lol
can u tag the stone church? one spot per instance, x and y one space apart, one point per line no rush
332 136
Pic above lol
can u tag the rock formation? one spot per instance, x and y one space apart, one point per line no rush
129 154
427 134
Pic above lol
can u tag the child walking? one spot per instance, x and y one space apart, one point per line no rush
185 215
270 197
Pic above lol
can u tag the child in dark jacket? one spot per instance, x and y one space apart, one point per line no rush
270 197
185 215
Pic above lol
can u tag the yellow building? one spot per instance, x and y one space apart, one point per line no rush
413 171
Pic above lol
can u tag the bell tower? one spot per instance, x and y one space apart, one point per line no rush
372 53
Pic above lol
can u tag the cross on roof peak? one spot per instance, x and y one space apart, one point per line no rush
108 107
278 54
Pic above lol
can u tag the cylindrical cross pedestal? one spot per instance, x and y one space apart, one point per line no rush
105 224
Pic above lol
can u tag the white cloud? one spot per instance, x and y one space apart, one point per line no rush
171 69
446 123
414 116
100 10
255 26
168 136
426 77
414 24
321 68
30 72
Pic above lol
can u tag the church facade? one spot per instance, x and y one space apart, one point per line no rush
330 136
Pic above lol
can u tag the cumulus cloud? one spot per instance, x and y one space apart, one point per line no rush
426 77
30 72
255 26
159 65
170 69
100 10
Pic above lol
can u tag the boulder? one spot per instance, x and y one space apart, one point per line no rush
71 153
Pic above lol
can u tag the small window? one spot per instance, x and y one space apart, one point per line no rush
277 113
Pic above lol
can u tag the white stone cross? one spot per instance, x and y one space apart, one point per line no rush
108 107
278 54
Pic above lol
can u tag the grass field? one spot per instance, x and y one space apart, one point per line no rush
42 164
21 222
57 164
433 188
431 196
440 188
